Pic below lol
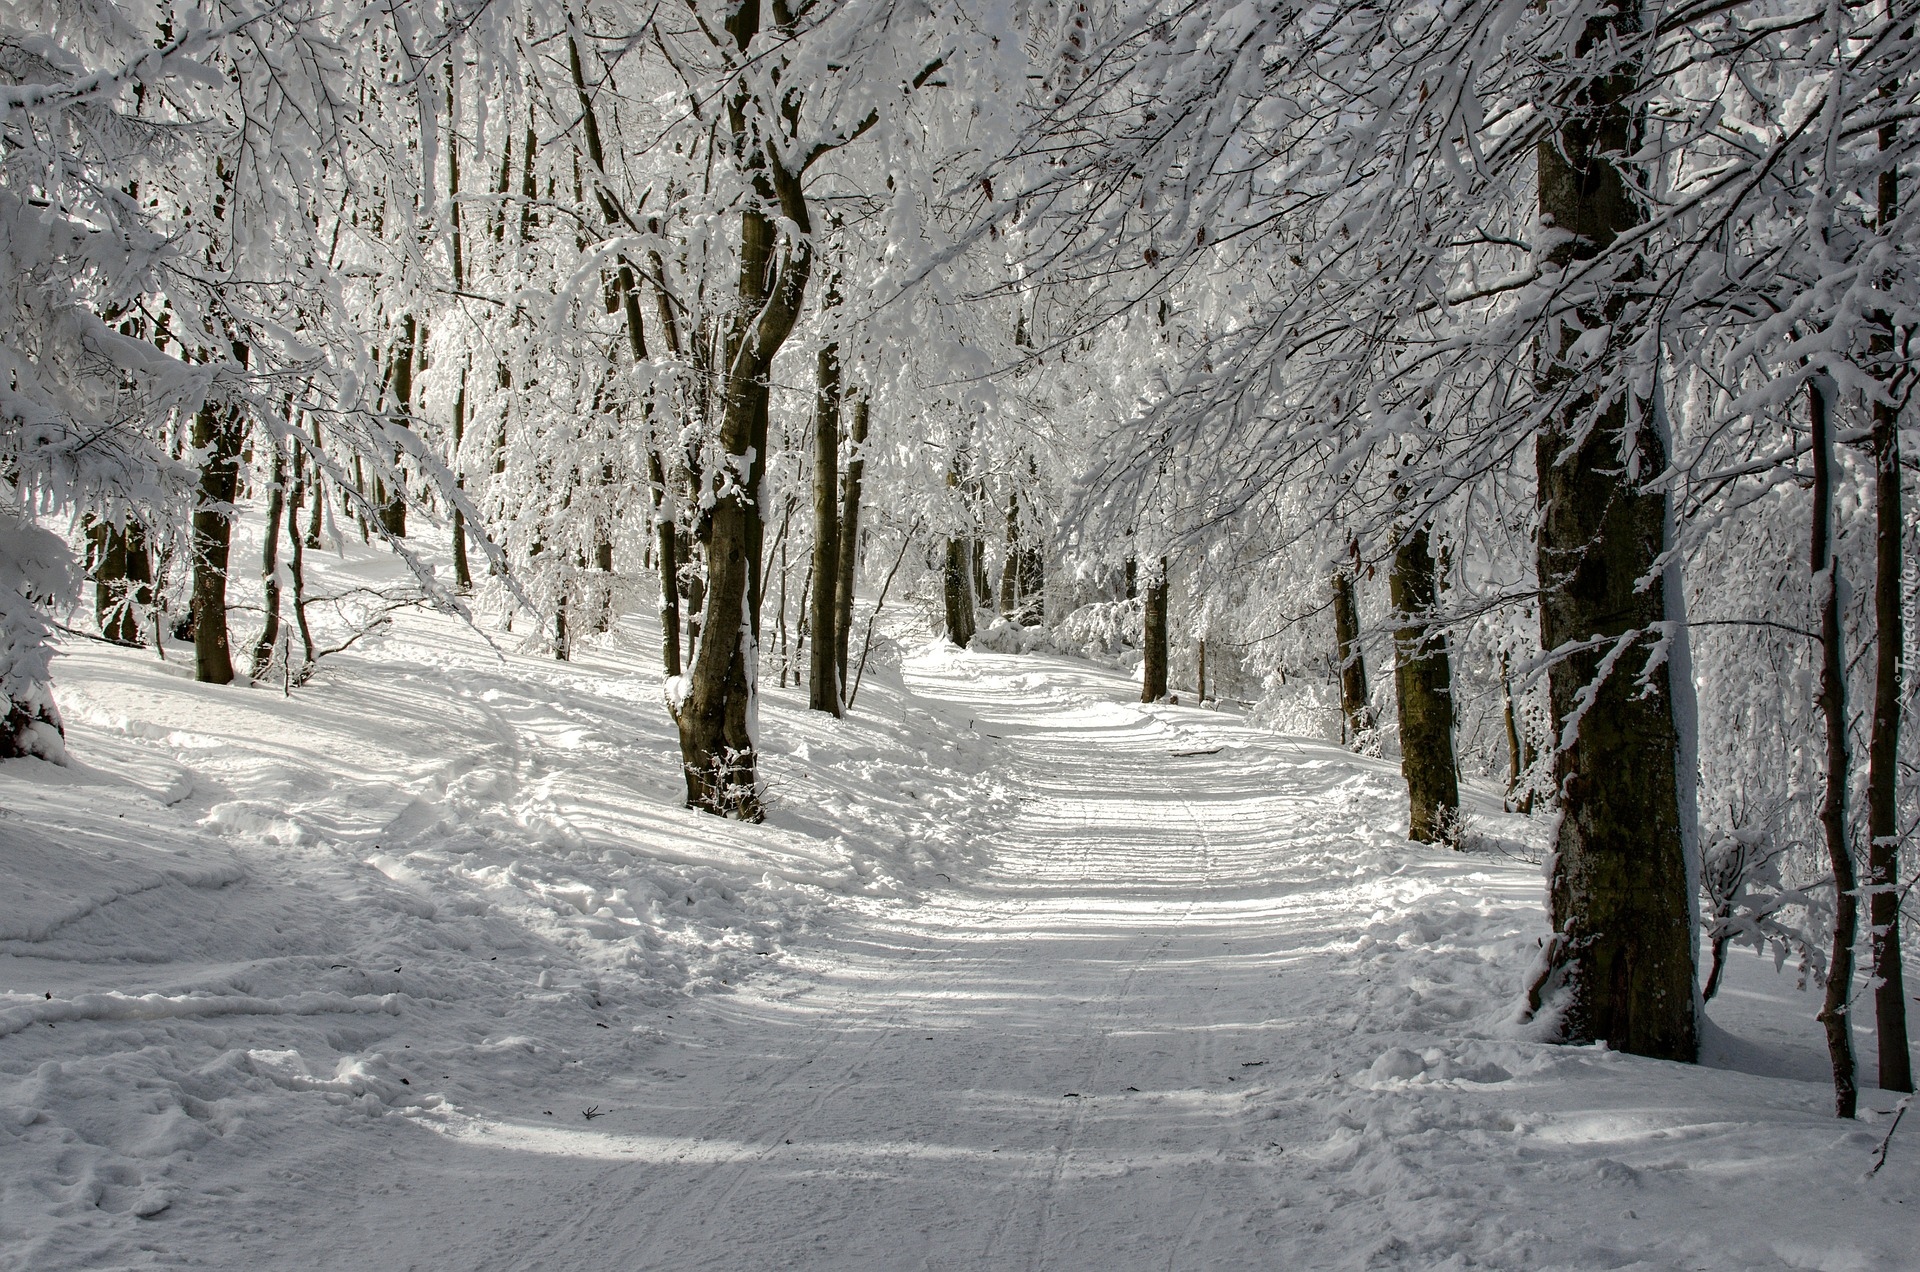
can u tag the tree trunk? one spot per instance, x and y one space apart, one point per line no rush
850 492
1835 1014
317 493
462 569
218 430
1423 684
1200 670
1010 567
1153 671
668 557
959 590
393 507
1355 713
1883 744
823 678
270 559
122 580
1621 957
303 488
717 716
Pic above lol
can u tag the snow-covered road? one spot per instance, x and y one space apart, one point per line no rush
1021 974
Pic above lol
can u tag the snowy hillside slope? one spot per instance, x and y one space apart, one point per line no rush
424 967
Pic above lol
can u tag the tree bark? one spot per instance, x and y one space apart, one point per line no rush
1010 567
1883 744
823 678
1835 1013
393 507
1423 684
667 555
717 716
122 580
1355 712
218 430
959 592
1621 958
1153 671
850 494
270 559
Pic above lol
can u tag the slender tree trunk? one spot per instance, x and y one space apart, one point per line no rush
1355 712
462 569
1883 744
218 431
316 493
1423 683
1200 661
393 508
1835 1014
668 556
823 675
1620 962
1153 671
1515 762
270 559
304 487
1010 567
850 492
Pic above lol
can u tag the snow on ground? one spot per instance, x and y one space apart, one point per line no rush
424 968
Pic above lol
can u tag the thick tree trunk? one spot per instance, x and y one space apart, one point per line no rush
218 431
1355 712
270 559
716 717
850 493
1621 957
824 690
1153 670
1883 744
1423 684
959 593
1836 1013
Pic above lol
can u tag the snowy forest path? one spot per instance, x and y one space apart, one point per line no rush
1046 1066
429 972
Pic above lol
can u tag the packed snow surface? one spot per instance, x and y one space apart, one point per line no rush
425 968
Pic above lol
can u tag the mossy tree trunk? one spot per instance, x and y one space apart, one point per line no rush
1423 685
1620 962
